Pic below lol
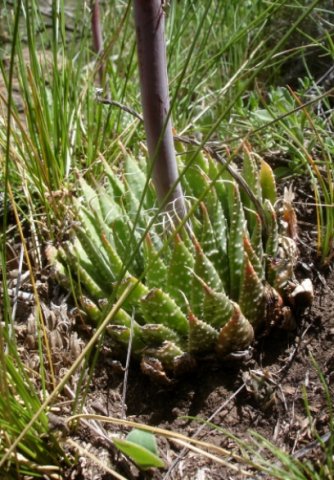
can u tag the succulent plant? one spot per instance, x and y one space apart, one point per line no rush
198 290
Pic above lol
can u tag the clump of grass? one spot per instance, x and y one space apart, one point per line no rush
39 452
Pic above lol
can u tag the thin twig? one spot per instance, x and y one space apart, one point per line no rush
287 365
312 445
127 365
18 283
185 450
114 103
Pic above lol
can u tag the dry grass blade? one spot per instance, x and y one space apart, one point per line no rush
212 457
33 282
174 436
96 460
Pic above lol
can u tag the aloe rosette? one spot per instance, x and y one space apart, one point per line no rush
196 290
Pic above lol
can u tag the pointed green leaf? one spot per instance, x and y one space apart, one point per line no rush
132 205
156 334
90 308
159 307
217 307
89 221
268 183
218 171
202 337
254 259
115 262
197 180
115 187
126 241
251 300
135 177
213 243
168 354
121 334
272 229
256 237
91 197
70 257
179 276
156 269
236 335
206 271
109 209
201 160
250 173
97 256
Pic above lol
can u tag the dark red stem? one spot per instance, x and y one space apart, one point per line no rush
150 23
97 36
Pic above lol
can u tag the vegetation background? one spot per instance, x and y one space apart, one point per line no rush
240 71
